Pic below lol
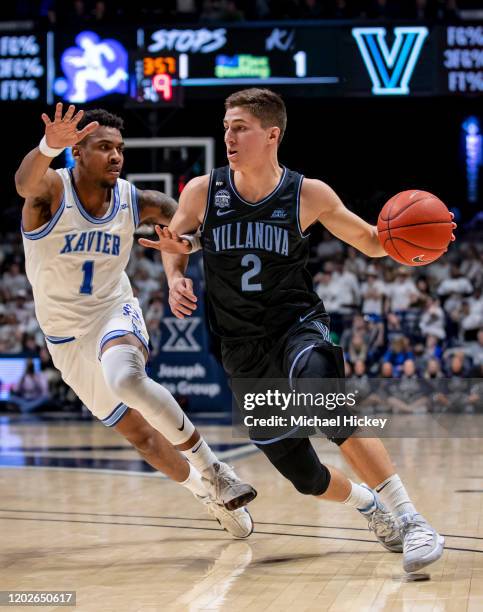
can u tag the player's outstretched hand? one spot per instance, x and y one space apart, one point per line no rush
62 131
182 300
169 242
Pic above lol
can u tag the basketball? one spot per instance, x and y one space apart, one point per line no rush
415 227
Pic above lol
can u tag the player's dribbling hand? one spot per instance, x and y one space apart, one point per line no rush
62 131
169 242
182 300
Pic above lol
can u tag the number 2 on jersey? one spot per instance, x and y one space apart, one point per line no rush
246 261
88 269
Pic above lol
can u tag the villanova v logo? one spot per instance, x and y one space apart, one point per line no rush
390 70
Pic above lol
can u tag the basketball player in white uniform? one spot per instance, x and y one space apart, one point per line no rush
77 231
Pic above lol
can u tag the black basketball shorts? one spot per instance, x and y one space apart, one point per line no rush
304 351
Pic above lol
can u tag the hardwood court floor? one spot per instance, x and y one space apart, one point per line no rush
126 540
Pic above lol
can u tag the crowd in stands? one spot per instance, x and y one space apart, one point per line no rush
80 13
409 324
392 321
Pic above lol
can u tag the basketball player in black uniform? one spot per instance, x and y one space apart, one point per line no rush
254 215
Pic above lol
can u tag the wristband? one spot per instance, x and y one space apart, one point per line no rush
194 241
48 151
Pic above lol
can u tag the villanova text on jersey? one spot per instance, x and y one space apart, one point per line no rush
251 235
255 258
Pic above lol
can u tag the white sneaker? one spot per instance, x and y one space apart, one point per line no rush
238 522
226 488
422 544
383 524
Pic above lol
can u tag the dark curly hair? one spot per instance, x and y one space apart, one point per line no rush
103 117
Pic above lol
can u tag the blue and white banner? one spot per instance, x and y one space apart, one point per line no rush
185 364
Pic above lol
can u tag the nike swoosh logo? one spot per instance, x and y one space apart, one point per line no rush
383 486
182 425
419 259
68 206
197 448
302 319
223 212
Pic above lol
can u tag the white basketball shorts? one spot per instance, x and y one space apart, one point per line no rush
78 359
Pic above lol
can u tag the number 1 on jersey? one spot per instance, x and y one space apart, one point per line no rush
88 269
251 272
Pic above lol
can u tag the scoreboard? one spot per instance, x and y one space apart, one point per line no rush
157 66
23 67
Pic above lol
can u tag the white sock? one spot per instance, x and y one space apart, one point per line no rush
200 455
194 483
361 498
394 496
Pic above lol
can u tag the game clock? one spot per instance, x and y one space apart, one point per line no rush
154 80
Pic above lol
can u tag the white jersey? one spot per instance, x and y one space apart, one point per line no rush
76 262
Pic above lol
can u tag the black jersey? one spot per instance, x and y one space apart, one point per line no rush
255 258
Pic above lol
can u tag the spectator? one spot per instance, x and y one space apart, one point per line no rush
383 388
412 394
329 247
14 280
347 369
432 349
212 10
359 326
29 346
32 391
402 292
100 13
367 401
433 369
398 353
50 372
454 288
145 286
471 264
346 287
472 315
455 397
432 321
357 349
475 351
355 262
422 285
372 293
186 10
326 290
386 369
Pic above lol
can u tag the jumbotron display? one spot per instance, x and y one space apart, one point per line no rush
157 66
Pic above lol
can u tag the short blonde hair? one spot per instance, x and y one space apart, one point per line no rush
264 104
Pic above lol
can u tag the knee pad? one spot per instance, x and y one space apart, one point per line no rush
325 362
297 460
124 370
125 374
